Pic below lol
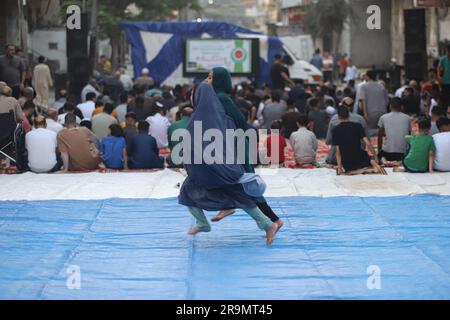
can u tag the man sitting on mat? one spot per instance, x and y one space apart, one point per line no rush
351 158
393 128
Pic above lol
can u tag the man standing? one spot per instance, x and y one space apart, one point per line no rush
351 72
112 86
343 64
144 81
328 67
374 102
279 75
42 81
317 61
444 77
12 70
27 68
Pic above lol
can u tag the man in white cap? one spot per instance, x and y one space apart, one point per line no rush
145 80
159 126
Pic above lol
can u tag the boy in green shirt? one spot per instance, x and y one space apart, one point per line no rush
421 152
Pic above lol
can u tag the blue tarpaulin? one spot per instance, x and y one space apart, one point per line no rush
330 248
169 51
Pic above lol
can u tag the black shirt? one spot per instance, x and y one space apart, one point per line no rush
11 70
347 136
321 120
289 124
412 105
278 82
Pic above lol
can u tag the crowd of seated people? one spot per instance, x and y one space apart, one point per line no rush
366 124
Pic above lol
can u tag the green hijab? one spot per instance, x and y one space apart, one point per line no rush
223 86
222 80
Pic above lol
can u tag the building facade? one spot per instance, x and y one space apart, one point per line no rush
13 23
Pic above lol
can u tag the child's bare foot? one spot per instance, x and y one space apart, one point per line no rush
271 233
223 215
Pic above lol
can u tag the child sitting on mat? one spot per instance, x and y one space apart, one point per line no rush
420 157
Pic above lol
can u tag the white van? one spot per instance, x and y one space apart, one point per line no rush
298 51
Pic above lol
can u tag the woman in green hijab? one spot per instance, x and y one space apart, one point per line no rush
220 79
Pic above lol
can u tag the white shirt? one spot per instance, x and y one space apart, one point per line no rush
351 73
62 119
41 146
358 97
87 109
442 158
328 63
54 126
159 127
400 91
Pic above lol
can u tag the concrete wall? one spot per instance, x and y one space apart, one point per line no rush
398 29
11 24
39 44
444 26
370 47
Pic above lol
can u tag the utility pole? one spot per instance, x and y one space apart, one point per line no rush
93 34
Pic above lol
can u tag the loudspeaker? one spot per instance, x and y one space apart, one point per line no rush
415 30
415 65
79 69
77 39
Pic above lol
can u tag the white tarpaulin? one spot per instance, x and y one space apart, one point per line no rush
165 184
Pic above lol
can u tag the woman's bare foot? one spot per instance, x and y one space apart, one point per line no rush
271 233
280 224
222 215
194 231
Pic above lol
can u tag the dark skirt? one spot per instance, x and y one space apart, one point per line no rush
228 198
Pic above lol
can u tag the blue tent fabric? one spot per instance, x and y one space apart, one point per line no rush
171 55
139 249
